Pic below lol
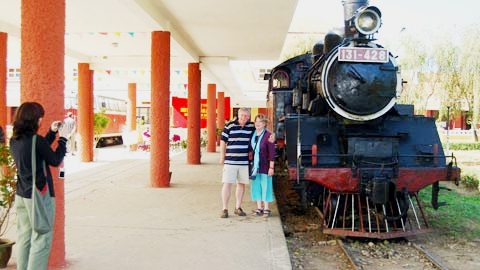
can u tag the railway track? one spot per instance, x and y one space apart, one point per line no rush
319 253
431 257
422 251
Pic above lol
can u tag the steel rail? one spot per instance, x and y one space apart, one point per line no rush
431 257
348 255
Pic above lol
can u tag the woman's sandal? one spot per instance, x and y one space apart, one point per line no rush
267 213
258 212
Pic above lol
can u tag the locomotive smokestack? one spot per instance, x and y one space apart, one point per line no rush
349 8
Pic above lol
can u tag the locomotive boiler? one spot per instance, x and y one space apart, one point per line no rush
350 148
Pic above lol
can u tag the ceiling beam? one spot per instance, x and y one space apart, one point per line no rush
220 69
14 31
168 23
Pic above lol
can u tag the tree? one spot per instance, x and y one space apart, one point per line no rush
470 69
446 56
298 45
448 70
417 70
100 123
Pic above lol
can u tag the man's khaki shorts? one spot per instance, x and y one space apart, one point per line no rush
235 174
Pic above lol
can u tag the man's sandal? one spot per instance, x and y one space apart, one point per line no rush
239 212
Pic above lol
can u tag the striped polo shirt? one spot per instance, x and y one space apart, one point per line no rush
237 139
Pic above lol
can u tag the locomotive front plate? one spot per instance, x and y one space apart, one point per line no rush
362 54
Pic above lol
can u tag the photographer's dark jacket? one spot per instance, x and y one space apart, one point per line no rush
21 150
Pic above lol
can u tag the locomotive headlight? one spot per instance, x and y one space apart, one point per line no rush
368 21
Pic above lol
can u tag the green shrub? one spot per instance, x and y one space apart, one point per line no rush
203 142
470 182
100 123
464 146
183 144
7 186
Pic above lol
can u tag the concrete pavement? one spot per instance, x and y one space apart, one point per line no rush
115 221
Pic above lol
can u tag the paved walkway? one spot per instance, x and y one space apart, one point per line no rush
115 221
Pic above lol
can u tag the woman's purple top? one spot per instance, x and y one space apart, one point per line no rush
267 152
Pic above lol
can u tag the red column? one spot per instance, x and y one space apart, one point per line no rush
42 81
159 120
3 80
220 113
9 115
132 106
193 116
91 105
131 110
211 119
85 112
221 110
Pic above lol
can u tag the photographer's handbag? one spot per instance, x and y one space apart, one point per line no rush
43 205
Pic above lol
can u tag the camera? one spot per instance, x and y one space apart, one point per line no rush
61 173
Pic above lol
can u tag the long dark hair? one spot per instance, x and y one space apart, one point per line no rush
26 117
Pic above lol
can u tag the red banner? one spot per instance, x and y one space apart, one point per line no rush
227 109
180 111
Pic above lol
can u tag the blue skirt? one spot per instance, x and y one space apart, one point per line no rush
261 188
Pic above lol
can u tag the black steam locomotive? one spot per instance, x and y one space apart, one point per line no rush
352 151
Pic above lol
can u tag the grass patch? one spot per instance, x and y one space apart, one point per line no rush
460 218
464 146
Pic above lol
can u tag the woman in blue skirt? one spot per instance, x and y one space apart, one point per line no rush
262 168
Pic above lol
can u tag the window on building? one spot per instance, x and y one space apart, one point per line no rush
262 72
13 74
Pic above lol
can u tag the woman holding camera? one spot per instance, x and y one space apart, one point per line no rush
34 247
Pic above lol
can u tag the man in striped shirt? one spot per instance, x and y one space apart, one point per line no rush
234 155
